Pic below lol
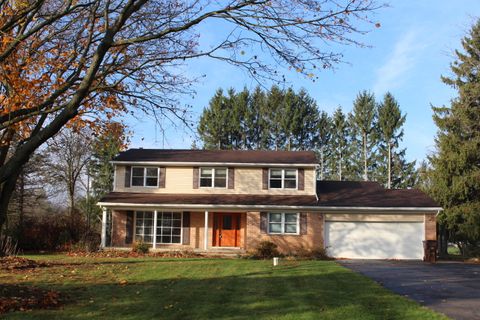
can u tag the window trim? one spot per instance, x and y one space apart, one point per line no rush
212 186
135 225
154 242
283 178
145 176
283 233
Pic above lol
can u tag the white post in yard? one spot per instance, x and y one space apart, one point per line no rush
205 232
103 243
155 213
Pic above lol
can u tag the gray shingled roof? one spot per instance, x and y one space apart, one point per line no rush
331 194
224 156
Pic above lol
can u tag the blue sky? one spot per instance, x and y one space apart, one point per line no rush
408 54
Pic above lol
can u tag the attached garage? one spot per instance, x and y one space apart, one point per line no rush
363 236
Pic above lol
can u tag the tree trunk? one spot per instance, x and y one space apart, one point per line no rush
21 205
389 166
365 164
6 192
340 167
321 163
442 241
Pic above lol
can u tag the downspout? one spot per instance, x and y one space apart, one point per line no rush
315 181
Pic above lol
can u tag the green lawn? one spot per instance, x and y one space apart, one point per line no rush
210 289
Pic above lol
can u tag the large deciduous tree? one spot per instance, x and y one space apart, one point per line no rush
68 154
86 60
454 180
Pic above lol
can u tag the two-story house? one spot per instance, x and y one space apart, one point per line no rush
207 200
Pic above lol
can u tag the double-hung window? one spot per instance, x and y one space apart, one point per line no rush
213 177
283 179
145 176
283 223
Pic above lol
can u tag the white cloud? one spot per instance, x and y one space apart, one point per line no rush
401 60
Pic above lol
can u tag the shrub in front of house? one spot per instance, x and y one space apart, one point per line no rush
266 250
140 247
311 254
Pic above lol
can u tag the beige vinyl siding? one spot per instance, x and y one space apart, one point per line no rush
247 181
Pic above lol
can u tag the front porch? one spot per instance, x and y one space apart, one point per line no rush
175 230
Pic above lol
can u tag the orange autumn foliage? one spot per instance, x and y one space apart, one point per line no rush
33 74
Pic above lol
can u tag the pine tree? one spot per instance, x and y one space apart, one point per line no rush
213 125
394 171
455 174
363 125
324 132
305 122
277 121
256 124
339 145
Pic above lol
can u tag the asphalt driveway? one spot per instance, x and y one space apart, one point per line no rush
451 288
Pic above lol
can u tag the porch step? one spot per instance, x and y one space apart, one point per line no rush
224 252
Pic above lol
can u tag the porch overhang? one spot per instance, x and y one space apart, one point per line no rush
243 208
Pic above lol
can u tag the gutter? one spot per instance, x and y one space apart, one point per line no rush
335 209
223 164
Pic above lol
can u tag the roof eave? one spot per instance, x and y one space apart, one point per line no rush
320 209
224 164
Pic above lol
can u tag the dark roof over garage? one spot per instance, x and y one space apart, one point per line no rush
330 194
369 194
220 156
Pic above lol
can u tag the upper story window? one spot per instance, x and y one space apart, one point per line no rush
145 176
283 179
213 177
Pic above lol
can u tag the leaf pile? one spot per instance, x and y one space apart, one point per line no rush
23 298
18 263
132 254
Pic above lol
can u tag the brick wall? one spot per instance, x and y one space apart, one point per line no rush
430 226
249 230
119 219
313 238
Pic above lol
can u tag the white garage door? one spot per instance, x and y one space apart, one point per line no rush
375 240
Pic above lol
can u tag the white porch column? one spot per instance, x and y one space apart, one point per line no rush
103 242
205 233
155 229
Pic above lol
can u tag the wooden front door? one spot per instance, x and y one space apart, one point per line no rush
226 230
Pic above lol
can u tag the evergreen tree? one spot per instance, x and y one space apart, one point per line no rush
304 122
455 174
324 132
276 114
394 171
256 124
339 145
213 126
278 120
363 125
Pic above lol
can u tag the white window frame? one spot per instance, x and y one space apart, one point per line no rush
212 186
155 226
283 223
181 229
135 226
283 178
144 176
